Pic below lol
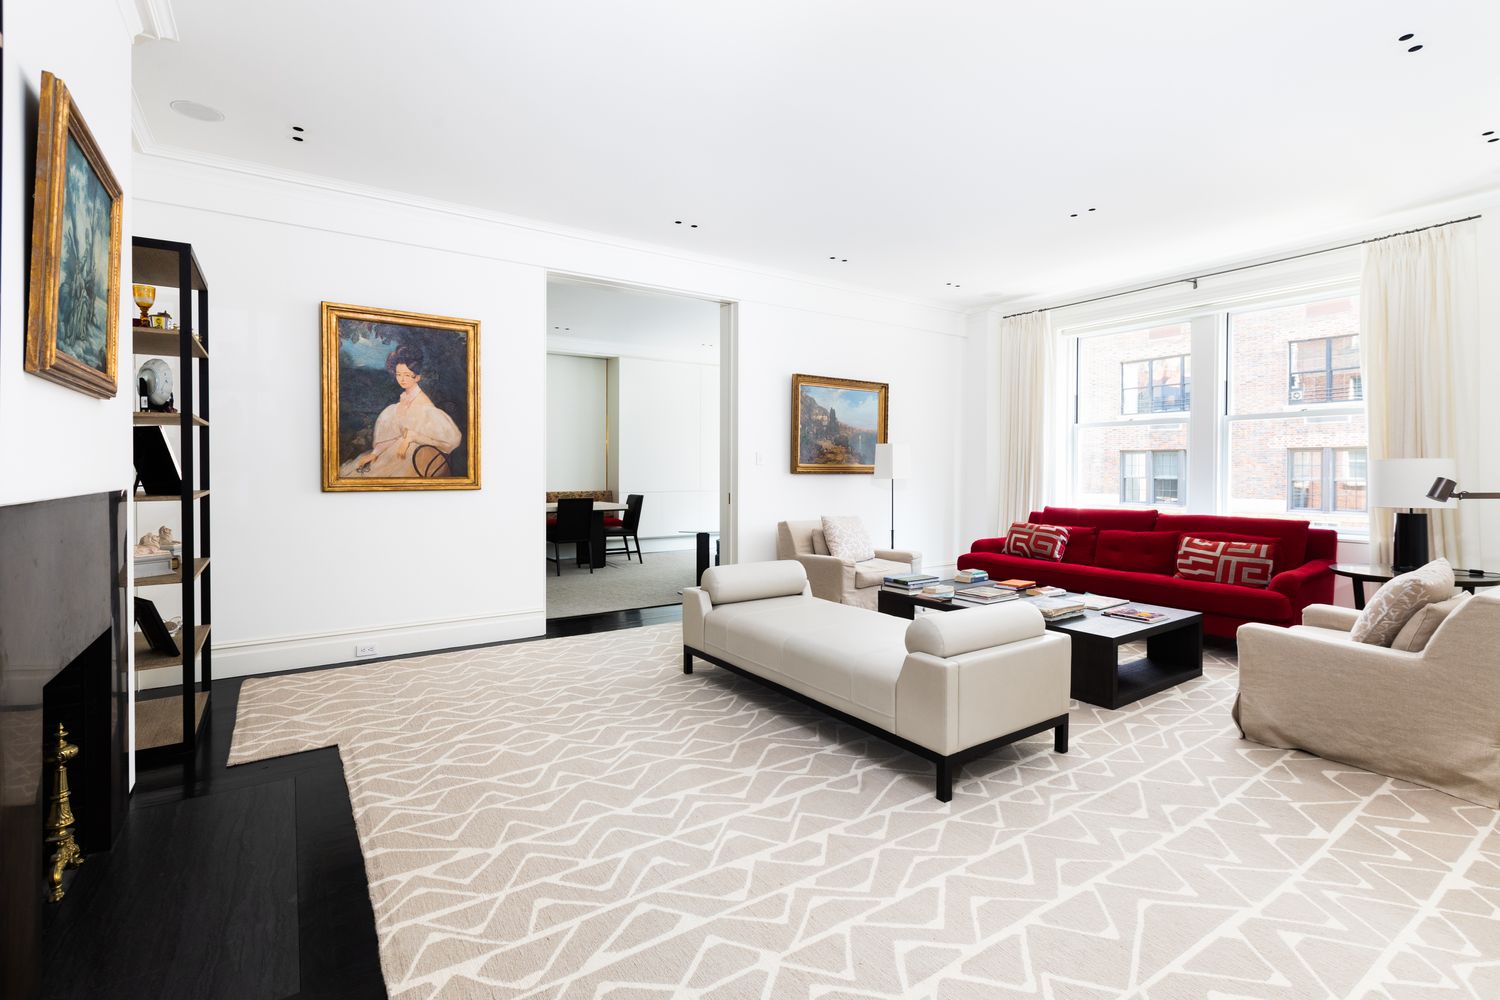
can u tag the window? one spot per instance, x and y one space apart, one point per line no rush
1132 402
1244 443
1156 385
1326 479
1324 370
1296 415
1151 477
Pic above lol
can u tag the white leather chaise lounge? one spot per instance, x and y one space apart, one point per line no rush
949 687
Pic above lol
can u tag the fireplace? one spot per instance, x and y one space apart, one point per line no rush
63 659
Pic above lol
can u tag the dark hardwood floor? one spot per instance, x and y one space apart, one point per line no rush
241 883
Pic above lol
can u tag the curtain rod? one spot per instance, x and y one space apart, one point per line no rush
1244 267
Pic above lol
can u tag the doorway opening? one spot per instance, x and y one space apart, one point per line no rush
634 443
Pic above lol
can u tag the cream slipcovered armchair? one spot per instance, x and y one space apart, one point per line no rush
1432 716
835 579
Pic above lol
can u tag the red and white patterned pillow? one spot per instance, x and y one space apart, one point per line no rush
1036 541
1245 564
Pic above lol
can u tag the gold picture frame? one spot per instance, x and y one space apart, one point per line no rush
823 442
400 400
73 309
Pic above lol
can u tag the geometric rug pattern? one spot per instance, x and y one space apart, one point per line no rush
577 818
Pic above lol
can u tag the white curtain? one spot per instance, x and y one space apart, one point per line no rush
1028 364
1419 339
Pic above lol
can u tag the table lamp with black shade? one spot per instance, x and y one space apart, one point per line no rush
1400 484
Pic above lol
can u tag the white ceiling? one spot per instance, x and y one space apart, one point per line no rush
926 143
586 317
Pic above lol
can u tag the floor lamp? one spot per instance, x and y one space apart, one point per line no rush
892 461
1445 489
1401 484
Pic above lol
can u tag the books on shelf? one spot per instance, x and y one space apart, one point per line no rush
1045 592
1053 608
1098 602
1135 614
986 595
1016 584
971 576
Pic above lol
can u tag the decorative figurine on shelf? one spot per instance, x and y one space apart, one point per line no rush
162 321
145 298
154 384
60 818
156 542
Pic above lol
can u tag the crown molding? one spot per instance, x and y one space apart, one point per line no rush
140 125
147 146
149 20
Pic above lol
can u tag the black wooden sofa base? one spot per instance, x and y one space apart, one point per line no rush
948 765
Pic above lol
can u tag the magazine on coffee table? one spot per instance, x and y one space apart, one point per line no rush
1098 602
985 595
1134 614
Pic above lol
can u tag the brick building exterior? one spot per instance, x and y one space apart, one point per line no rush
1296 427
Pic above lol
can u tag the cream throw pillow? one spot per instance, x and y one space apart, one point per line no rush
1399 599
846 538
1415 634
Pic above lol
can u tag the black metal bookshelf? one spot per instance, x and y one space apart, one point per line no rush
169 264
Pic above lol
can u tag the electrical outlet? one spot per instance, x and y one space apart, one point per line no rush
364 649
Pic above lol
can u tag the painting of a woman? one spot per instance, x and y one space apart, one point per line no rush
400 400
406 425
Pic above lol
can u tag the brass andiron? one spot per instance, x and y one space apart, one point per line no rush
60 817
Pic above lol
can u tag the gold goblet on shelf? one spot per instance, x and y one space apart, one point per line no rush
145 298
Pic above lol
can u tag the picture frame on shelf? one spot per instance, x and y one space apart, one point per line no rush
400 400
836 424
158 636
73 309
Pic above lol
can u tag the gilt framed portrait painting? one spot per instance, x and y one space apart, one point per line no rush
73 308
836 423
400 400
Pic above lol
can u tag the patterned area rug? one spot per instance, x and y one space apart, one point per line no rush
577 818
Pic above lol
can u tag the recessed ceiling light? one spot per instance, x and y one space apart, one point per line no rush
197 112
1093 210
1415 48
298 128
1490 132
1406 37
1496 139
298 138
1073 215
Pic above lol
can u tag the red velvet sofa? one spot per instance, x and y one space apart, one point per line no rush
1133 554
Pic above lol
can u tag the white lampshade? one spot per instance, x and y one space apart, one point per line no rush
1403 483
893 461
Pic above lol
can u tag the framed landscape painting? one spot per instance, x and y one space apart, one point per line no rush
73 311
400 400
836 423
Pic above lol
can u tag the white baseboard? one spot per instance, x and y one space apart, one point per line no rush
246 657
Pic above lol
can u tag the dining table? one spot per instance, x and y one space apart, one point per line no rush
596 528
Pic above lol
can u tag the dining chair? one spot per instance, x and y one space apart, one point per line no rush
571 524
626 528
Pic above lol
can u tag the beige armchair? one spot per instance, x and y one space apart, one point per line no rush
835 579
1432 717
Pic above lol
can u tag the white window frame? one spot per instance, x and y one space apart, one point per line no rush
1206 489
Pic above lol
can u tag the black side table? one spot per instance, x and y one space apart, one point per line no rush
1360 575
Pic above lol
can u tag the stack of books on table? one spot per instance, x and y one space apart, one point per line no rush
909 583
1056 608
985 595
1016 584
971 576
1134 614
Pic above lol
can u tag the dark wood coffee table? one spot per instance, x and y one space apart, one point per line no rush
1174 647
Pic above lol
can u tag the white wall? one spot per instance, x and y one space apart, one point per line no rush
575 431
299 574
59 442
925 376
668 441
